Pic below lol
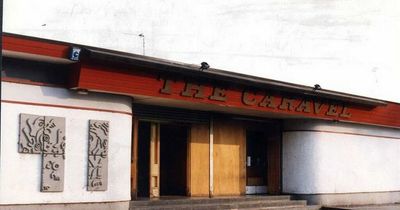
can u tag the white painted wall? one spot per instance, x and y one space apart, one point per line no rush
322 162
345 45
20 173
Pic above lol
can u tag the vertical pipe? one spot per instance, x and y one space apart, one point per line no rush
211 158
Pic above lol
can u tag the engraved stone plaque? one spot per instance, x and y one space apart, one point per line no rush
45 135
98 155
54 135
30 134
52 173
98 137
97 173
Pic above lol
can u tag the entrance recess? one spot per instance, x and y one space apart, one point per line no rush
173 153
256 162
162 159
263 158
143 159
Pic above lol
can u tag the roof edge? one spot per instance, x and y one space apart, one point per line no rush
190 69
177 67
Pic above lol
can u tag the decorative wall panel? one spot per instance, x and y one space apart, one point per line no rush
98 155
31 134
54 135
98 137
45 135
98 173
52 173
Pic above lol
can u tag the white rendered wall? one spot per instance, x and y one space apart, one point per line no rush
329 42
323 157
20 173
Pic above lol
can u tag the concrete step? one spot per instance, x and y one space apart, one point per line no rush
194 200
278 208
366 207
243 204
314 207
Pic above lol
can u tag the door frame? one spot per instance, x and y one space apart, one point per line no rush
273 131
154 172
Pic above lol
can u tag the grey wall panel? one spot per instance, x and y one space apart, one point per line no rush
98 155
45 135
54 135
52 173
98 173
30 134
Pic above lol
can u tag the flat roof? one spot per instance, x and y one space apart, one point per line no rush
59 50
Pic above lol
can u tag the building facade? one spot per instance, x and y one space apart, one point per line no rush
87 125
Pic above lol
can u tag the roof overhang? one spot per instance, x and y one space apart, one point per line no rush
163 65
32 48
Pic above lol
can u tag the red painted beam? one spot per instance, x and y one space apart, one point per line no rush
139 82
131 82
35 46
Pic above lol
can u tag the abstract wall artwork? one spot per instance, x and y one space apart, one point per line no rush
98 155
45 135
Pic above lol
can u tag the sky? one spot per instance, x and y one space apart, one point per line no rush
350 46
